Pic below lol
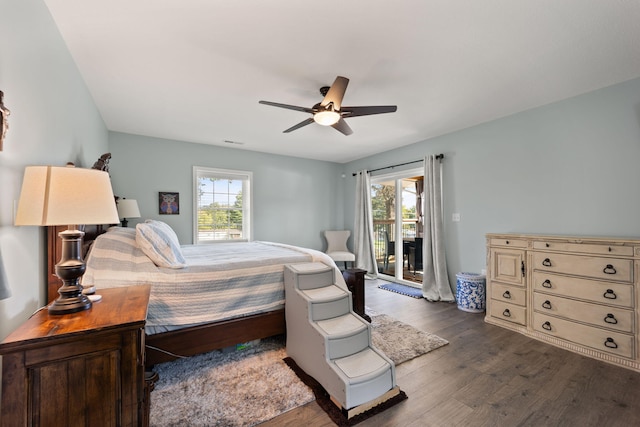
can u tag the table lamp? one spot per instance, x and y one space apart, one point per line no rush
67 196
127 208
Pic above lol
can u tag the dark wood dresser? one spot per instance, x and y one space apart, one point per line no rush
84 368
354 277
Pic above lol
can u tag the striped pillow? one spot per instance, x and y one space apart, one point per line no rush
159 242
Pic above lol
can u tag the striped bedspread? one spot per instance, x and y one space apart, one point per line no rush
221 281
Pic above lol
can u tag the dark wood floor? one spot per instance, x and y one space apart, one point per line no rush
489 376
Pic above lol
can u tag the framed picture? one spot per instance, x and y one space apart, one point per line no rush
169 203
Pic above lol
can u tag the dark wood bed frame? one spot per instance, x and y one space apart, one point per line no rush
167 346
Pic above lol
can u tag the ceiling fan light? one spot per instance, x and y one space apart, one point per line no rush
326 118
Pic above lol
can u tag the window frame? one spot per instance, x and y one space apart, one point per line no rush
397 177
247 200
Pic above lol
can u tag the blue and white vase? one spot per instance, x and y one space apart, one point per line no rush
470 292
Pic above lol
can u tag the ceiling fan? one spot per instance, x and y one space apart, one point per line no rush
330 112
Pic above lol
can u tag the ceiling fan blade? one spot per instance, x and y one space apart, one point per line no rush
343 127
336 93
367 111
287 106
299 125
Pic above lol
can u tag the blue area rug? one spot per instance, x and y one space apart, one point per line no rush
398 288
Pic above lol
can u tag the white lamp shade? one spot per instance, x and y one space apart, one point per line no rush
326 118
128 208
54 195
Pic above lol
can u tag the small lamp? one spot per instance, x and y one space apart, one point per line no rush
67 196
127 208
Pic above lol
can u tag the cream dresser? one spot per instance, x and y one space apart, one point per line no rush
579 293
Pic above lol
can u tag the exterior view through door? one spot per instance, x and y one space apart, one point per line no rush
397 227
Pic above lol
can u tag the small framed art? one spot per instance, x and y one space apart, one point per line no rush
169 203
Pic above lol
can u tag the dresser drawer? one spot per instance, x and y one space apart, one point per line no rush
594 314
510 294
510 243
586 266
510 312
618 294
600 339
584 248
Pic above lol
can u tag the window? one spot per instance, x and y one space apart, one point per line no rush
222 205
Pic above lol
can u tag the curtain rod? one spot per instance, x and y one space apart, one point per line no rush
438 157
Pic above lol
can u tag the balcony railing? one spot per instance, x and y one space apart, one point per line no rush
379 228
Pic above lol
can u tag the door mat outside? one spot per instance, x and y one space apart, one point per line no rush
398 288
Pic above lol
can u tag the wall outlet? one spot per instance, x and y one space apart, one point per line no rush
455 217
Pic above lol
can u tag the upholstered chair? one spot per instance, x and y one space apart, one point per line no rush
337 246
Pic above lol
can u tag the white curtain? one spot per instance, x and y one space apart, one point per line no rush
363 233
435 282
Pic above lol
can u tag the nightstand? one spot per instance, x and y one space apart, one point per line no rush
84 368
355 282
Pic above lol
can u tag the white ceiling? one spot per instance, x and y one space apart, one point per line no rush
194 70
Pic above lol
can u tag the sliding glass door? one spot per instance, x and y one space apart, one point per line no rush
396 201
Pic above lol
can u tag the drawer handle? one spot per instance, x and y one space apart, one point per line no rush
611 319
546 262
506 242
547 326
546 284
506 295
609 294
610 343
609 269
547 305
506 313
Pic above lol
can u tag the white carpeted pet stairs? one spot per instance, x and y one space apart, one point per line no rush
333 344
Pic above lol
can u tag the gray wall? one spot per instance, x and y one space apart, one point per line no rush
566 168
294 199
53 120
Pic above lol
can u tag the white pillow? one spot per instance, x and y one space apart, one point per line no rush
159 242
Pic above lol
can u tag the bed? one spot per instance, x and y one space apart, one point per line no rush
213 296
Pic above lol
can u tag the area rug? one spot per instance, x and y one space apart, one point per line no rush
399 341
235 388
399 288
247 387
